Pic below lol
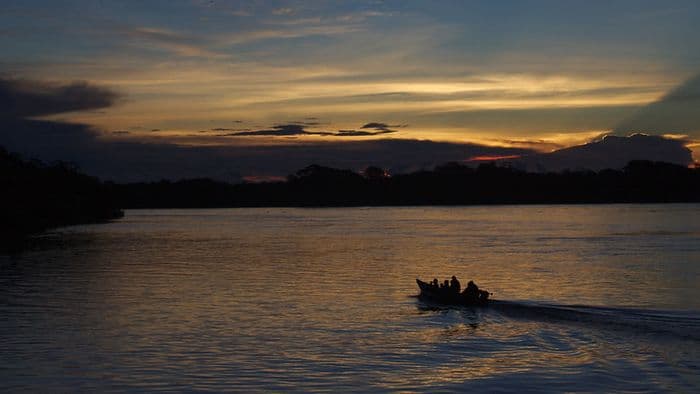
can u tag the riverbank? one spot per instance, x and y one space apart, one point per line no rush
37 196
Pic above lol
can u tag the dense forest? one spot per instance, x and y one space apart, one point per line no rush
37 196
449 184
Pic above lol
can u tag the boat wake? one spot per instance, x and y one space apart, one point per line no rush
630 321
683 324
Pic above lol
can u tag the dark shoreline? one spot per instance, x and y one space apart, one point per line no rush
403 206
453 184
37 197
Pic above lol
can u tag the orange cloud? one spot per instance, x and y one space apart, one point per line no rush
491 158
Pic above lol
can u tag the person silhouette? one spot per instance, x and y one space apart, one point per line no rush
455 285
472 291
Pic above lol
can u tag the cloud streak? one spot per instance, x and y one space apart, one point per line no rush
288 33
362 133
127 159
284 130
174 42
299 129
218 47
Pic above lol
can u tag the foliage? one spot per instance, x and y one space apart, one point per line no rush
449 184
36 196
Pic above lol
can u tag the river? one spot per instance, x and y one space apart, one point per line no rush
586 298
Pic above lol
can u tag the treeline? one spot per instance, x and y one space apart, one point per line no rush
449 184
36 196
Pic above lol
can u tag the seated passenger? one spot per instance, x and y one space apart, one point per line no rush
455 286
472 291
435 283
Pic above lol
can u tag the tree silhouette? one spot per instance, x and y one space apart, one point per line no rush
448 184
36 196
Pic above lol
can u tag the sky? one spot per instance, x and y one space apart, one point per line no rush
276 77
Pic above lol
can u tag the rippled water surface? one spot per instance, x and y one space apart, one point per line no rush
588 298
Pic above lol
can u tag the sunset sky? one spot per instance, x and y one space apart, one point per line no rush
538 75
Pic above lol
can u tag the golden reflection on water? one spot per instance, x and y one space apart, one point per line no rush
468 361
274 299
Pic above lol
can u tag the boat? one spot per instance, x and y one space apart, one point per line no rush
431 293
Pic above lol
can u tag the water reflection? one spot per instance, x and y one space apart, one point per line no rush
309 299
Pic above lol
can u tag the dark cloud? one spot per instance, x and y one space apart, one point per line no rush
362 133
382 127
129 160
121 132
676 112
609 152
280 130
22 98
299 128
374 125
126 159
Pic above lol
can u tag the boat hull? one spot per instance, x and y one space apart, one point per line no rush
428 292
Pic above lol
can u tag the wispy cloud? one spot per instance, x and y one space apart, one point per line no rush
241 13
215 46
542 145
178 43
453 71
360 16
354 18
287 33
282 11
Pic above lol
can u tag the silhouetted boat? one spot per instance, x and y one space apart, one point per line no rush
445 296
